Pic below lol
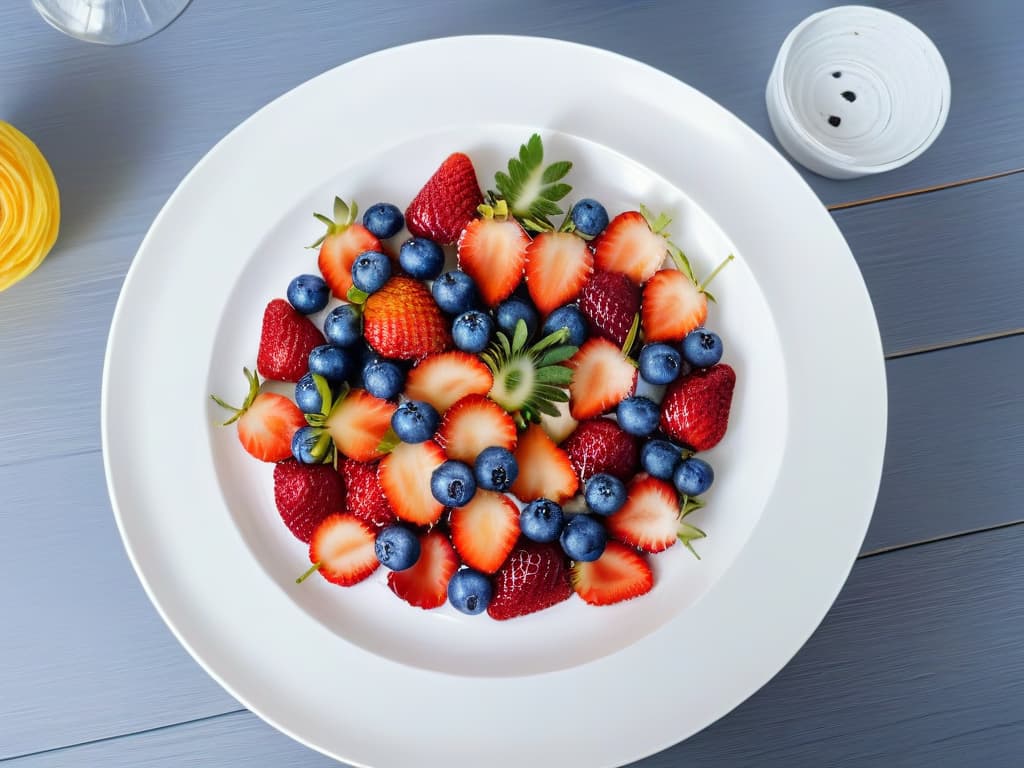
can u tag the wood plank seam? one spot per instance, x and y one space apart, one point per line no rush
953 344
935 539
922 190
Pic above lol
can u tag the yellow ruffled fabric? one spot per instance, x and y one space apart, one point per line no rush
29 206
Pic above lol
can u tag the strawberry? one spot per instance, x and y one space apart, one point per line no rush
447 202
365 498
629 246
344 240
557 266
425 584
695 410
286 340
305 494
672 306
610 301
492 251
359 423
619 574
601 445
544 468
534 577
403 322
485 530
649 520
342 550
266 421
473 423
405 477
602 378
444 379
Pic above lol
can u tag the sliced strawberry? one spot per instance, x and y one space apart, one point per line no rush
672 306
619 574
286 340
446 378
535 577
344 240
405 477
559 427
359 423
696 407
365 497
493 252
402 320
558 264
610 301
342 550
485 530
425 585
447 202
602 378
601 445
544 468
649 520
628 246
265 422
305 494
473 423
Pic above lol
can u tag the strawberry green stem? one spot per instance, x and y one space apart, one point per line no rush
312 569
714 274
237 413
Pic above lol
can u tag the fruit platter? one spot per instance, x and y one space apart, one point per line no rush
504 400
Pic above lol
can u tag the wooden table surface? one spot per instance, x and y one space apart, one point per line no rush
921 660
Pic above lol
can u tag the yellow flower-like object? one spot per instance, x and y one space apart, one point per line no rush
29 206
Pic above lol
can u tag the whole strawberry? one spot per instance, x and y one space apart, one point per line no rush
364 495
447 202
286 340
402 321
610 300
534 577
695 410
601 445
305 494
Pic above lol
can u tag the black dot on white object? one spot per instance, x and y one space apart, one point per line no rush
837 75
849 96
834 121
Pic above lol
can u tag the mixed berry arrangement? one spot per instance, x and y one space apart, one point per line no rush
505 433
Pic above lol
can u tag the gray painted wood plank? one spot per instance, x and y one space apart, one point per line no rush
919 663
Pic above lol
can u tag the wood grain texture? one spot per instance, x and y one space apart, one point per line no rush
919 663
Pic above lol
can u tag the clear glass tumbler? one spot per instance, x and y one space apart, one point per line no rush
110 22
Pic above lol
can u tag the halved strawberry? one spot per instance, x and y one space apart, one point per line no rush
493 252
649 520
344 240
672 306
485 530
695 410
305 494
447 202
359 423
544 468
631 247
425 585
342 550
557 266
619 574
446 378
286 339
473 423
601 445
402 320
405 477
602 378
266 421
364 496
534 577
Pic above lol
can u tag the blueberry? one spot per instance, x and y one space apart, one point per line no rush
370 271
453 483
308 294
496 469
382 378
701 348
344 325
307 396
659 458
513 310
414 421
397 548
570 316
693 476
541 520
583 539
590 217
638 415
471 331
304 445
605 494
470 591
333 363
421 258
455 292
383 220
660 363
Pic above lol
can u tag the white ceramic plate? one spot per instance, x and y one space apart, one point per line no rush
356 673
